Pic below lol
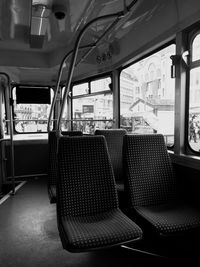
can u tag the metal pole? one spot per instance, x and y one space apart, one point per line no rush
118 16
11 134
74 56
89 120
99 39
58 82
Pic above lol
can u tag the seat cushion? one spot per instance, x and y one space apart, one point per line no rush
97 231
172 219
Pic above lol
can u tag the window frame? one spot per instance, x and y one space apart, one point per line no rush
192 64
89 80
13 110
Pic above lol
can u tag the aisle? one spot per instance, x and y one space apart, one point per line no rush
29 235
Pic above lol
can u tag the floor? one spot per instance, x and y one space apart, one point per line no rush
29 236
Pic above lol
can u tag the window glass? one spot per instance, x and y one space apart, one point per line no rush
91 112
196 48
100 85
81 89
194 109
31 118
147 94
5 129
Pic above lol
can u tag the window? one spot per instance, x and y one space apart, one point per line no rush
147 105
4 117
195 48
81 89
194 96
30 118
92 111
100 85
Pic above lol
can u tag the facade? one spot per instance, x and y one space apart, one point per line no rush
148 99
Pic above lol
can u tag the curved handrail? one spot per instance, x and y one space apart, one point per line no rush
58 83
74 56
118 16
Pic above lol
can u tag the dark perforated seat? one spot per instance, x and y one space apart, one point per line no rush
152 186
52 162
114 139
87 205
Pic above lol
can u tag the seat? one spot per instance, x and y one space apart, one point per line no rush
152 187
88 214
114 139
52 162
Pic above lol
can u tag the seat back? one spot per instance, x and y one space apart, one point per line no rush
114 139
86 183
52 161
52 158
72 133
149 174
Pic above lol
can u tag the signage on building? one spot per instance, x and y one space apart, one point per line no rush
88 109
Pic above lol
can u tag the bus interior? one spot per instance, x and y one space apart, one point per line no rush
100 132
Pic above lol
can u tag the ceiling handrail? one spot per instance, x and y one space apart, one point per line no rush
118 16
58 83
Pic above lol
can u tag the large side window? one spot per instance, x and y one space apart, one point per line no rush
194 95
92 106
147 94
30 112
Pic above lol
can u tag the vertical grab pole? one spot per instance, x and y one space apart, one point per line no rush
11 132
118 16
58 82
73 60
11 142
57 89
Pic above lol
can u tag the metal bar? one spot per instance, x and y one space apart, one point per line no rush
11 134
118 16
10 193
144 252
16 120
100 38
126 10
37 175
74 56
58 82
87 120
129 7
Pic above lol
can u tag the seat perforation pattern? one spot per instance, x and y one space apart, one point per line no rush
94 191
114 139
150 174
152 186
100 230
52 161
87 206
170 219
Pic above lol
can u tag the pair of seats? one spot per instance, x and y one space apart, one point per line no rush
87 207
150 181
52 161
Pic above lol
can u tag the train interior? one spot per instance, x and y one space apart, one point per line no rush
48 47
